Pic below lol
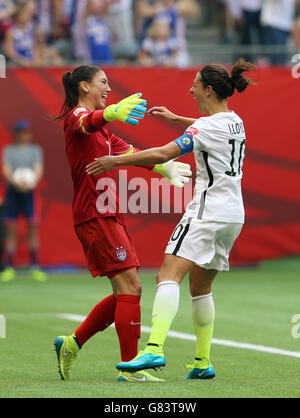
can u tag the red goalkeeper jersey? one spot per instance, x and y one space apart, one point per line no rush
86 138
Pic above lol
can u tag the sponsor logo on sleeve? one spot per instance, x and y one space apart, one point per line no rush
191 131
79 110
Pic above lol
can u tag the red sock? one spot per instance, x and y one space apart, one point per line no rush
128 325
101 316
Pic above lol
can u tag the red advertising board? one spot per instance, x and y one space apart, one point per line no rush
271 167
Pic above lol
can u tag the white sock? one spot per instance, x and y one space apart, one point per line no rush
165 307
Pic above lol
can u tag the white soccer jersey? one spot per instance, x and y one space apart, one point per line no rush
219 149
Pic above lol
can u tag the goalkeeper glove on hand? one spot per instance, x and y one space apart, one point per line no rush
177 173
128 110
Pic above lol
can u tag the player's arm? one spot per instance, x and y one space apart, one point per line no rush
128 110
8 173
160 156
38 166
121 147
163 112
85 122
38 171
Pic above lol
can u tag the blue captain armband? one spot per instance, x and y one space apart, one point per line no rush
185 143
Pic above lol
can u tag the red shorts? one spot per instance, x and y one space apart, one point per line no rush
107 247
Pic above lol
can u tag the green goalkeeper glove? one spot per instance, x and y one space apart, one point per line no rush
177 173
128 110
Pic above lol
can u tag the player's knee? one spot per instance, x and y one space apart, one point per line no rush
131 284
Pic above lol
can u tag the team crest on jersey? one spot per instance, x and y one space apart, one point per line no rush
121 253
79 110
191 131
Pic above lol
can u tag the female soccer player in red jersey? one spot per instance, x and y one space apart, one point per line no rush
107 246
201 242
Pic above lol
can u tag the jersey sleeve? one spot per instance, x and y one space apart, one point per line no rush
82 121
7 156
38 155
121 147
198 134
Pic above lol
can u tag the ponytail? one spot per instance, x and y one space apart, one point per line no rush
71 81
239 82
223 82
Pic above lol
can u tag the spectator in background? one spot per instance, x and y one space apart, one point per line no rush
19 43
176 12
2 235
145 11
45 54
78 30
296 27
277 19
187 9
7 9
119 18
247 21
159 48
98 35
21 197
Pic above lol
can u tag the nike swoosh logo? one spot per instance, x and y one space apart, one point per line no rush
142 379
117 108
64 350
200 374
135 323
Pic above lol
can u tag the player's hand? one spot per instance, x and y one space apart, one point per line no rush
177 173
162 112
128 110
100 165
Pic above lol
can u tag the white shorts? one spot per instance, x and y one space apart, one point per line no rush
206 243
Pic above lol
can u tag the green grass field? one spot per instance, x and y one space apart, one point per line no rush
253 306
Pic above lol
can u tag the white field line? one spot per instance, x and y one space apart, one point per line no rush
191 337
172 334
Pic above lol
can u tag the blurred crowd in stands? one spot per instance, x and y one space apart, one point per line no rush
36 33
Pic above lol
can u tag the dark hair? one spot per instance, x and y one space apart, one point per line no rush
71 82
223 82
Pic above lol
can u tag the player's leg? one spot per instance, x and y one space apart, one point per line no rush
101 240
127 288
11 213
33 241
2 237
203 313
166 300
165 307
30 208
11 238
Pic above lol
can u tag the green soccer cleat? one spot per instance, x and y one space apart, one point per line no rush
143 361
38 275
67 351
137 377
8 274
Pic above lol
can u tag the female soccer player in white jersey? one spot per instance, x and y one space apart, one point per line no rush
201 242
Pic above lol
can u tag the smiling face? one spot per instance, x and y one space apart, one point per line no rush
95 91
200 93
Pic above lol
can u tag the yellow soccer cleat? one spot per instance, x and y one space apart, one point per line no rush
38 275
67 351
138 377
8 274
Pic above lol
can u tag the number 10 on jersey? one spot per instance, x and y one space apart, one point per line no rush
235 166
